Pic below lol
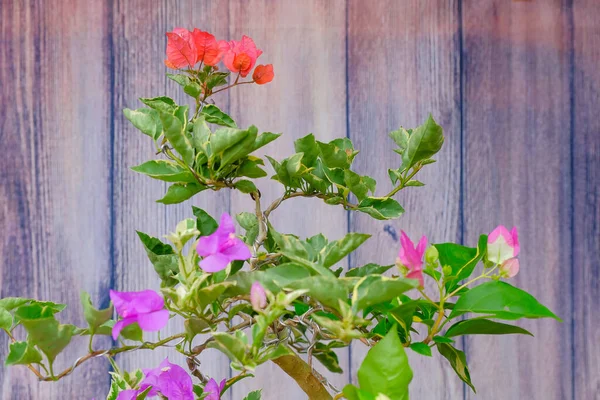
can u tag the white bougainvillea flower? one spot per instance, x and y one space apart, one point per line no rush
502 244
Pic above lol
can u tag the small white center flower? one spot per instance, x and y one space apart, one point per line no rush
165 369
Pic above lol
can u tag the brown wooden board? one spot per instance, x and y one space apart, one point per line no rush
54 185
139 43
403 63
305 43
586 200
516 68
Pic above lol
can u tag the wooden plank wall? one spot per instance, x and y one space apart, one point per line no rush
515 84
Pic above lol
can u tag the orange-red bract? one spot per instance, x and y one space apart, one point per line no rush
263 74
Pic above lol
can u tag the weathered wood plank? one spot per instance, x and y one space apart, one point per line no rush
305 43
139 29
403 64
54 186
517 168
586 200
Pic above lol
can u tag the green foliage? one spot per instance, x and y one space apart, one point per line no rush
385 370
461 259
500 300
457 360
255 395
163 258
94 317
483 327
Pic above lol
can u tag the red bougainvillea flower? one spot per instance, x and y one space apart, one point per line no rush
502 244
214 390
147 308
181 49
222 247
263 74
258 296
208 49
241 56
412 257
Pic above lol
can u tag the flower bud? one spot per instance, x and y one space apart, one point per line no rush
432 255
447 270
509 268
258 297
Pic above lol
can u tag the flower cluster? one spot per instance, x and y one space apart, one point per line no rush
187 48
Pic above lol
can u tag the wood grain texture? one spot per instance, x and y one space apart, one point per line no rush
305 43
586 200
139 50
54 186
403 64
517 168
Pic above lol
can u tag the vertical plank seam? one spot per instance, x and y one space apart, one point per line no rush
347 86
461 196
571 61
111 66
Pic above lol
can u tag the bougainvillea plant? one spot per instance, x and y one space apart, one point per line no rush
261 295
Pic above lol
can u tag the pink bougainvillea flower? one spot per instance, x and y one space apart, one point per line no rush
209 50
258 296
129 394
412 257
169 380
147 308
214 390
502 244
222 247
181 49
241 56
263 74
510 268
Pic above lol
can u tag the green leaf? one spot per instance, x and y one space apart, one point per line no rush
204 222
421 348
10 303
368 269
20 353
359 185
338 153
264 139
165 170
216 79
458 362
461 259
184 232
163 258
294 165
245 186
179 192
424 142
133 332
240 149
117 384
400 137
339 249
176 133
376 289
442 339
501 300
481 326
44 331
146 120
256 395
93 316
325 289
232 345
307 145
385 369
250 168
211 293
214 115
403 315
381 208
224 138
6 319
163 104
414 182
327 357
